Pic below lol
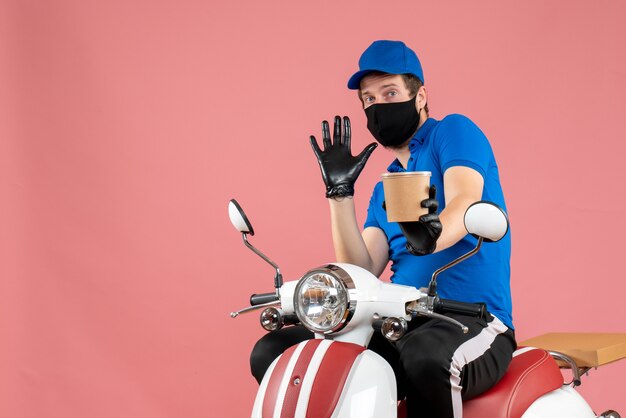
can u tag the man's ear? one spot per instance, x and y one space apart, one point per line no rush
422 98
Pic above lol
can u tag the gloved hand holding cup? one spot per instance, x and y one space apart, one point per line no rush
411 201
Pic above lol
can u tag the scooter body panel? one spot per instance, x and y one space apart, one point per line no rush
322 378
370 390
563 402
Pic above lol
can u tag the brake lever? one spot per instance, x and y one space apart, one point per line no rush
254 308
417 309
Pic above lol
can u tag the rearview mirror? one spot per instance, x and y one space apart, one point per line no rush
238 218
241 223
486 220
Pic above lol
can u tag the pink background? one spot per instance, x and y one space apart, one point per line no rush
126 126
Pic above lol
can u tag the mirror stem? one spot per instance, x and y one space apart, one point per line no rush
278 278
432 286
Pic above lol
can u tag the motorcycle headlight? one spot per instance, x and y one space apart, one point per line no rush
322 300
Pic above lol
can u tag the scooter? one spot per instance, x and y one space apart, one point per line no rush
335 375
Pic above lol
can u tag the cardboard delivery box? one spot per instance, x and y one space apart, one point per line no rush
586 349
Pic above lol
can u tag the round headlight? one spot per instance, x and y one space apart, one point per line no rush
322 301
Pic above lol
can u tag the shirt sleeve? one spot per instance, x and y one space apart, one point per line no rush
372 209
461 143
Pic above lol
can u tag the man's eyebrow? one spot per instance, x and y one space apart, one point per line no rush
364 92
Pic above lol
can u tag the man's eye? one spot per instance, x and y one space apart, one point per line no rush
392 93
369 99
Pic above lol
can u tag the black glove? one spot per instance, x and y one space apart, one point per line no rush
339 168
421 236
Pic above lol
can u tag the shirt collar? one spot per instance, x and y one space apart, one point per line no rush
424 130
420 136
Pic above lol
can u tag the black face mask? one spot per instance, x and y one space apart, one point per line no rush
392 124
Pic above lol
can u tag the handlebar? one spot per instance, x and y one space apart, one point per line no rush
478 310
261 298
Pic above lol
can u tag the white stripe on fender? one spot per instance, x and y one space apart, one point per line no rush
257 410
280 398
309 378
467 352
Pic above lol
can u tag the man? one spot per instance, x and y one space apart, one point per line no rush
436 365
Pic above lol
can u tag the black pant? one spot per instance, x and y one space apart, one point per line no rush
435 364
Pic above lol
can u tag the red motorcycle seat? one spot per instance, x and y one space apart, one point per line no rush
531 374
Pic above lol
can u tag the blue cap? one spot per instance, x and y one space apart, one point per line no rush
392 57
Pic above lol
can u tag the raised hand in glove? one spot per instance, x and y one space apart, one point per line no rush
421 236
339 168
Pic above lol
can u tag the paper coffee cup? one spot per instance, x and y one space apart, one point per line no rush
404 193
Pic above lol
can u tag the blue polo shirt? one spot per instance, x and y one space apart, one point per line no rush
485 277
